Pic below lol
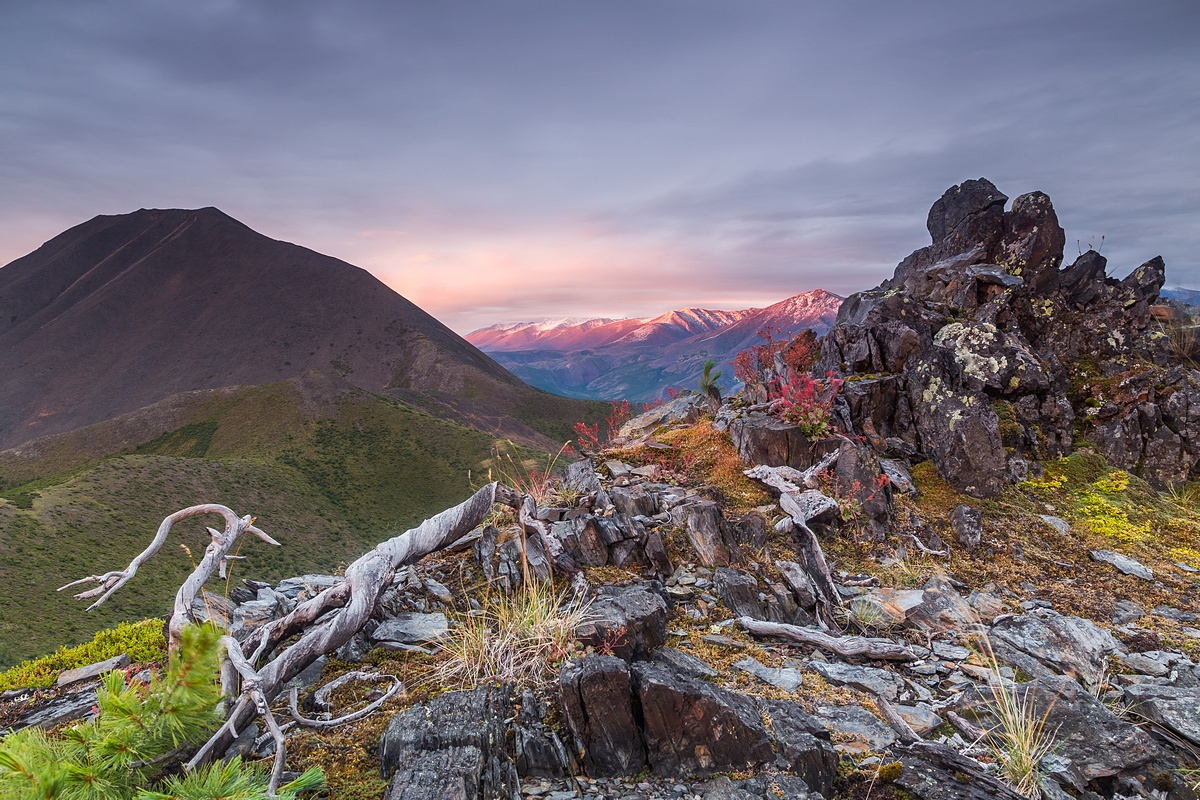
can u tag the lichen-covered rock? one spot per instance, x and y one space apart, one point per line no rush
984 317
1045 644
967 524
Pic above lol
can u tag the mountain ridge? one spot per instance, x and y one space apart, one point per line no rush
641 359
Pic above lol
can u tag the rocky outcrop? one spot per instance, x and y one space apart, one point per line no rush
984 354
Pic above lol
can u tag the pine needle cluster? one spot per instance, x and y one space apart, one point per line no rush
140 730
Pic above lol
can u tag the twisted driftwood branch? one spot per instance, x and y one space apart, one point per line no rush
803 502
321 698
324 622
352 601
215 556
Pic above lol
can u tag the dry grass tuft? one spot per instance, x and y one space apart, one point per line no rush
520 637
1020 739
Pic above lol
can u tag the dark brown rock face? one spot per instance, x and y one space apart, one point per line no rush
693 727
984 354
597 701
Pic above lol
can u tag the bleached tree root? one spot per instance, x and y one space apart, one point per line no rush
844 646
321 700
804 503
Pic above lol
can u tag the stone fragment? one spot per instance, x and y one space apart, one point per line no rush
412 628
68 676
617 469
581 537
633 500
693 727
941 609
922 719
684 409
1044 644
761 438
581 477
799 583
872 680
628 621
1058 523
855 722
1124 564
304 587
64 708
897 472
789 680
967 524
1175 708
802 744
685 663
1127 611
656 554
739 592
707 530
451 747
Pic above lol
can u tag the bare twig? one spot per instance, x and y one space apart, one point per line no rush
215 556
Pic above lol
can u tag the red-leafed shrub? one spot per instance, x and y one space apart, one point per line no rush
807 402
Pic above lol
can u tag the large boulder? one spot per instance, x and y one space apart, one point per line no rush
693 727
1046 644
451 747
627 621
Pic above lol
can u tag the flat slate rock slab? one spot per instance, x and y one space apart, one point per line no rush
61 709
1173 707
1124 564
68 676
872 680
412 628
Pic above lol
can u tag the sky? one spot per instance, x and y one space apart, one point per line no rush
511 160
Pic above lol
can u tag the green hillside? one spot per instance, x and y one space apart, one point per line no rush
328 470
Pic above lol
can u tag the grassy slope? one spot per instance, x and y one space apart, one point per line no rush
328 476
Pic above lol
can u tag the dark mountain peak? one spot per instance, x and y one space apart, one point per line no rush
123 310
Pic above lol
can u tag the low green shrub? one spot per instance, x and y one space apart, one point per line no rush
141 641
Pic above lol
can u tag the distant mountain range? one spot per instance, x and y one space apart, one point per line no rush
1188 296
639 359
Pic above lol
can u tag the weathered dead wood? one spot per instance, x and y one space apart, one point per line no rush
324 622
789 480
904 731
354 600
813 558
215 556
804 503
969 729
321 699
844 646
